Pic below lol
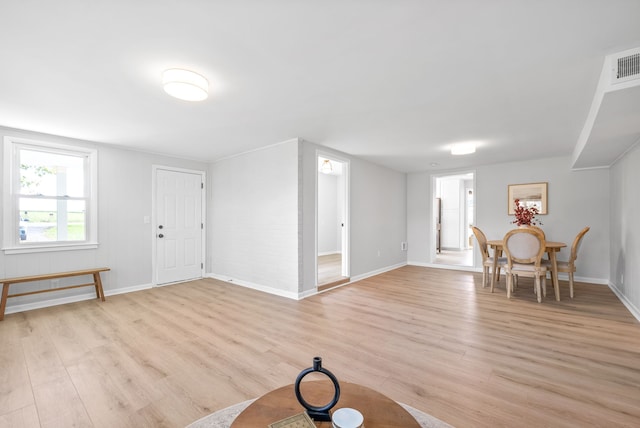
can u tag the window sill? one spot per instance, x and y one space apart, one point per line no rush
48 248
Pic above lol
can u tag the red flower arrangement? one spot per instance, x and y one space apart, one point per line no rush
525 216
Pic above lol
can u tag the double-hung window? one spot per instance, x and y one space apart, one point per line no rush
50 200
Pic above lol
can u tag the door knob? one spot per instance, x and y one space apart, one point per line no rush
161 236
160 227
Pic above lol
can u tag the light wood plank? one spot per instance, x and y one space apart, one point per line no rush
431 338
59 405
330 270
15 385
27 417
42 359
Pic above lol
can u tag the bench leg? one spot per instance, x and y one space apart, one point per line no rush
98 283
3 302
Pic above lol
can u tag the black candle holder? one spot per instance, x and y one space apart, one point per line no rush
318 413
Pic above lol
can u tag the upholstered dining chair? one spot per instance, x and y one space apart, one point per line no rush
538 228
524 248
487 260
569 266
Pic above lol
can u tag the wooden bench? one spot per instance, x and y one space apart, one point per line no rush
97 283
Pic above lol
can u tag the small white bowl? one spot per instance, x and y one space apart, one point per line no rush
347 418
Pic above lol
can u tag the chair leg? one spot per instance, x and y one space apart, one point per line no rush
544 285
571 284
538 291
509 280
556 285
484 276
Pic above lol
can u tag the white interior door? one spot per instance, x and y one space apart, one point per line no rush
343 209
179 226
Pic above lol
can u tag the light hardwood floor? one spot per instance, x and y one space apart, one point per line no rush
330 269
431 338
455 258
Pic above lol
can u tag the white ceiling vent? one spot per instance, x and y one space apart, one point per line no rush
626 66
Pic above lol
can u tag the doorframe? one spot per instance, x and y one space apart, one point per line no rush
346 232
154 220
432 225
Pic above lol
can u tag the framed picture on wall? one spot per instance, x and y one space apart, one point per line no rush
530 195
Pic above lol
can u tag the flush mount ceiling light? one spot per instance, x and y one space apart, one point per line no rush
463 148
326 167
185 85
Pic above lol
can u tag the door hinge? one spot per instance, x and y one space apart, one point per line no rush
202 185
201 265
201 225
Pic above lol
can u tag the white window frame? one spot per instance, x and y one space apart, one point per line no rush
11 188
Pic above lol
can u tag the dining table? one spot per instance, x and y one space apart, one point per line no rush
551 248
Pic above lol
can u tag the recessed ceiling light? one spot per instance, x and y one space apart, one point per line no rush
463 148
185 84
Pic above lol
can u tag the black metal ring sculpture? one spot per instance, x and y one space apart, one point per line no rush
318 413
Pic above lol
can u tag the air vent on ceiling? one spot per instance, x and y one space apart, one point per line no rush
626 66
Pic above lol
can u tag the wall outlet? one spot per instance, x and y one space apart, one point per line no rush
403 246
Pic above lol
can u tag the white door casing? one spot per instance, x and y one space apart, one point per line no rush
343 197
178 225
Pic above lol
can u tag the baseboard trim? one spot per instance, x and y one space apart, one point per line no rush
128 289
255 286
303 294
376 272
72 299
626 302
561 275
333 284
442 266
357 278
588 280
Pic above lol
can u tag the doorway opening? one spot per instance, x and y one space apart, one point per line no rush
453 214
332 222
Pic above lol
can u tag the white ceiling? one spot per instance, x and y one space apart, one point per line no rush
393 82
615 130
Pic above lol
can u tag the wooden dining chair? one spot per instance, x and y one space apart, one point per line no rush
524 248
487 259
569 266
538 228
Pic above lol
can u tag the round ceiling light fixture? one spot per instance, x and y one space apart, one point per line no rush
326 167
463 148
185 84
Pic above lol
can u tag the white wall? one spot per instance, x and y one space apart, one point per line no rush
378 212
625 234
419 212
378 217
262 219
253 219
125 241
576 199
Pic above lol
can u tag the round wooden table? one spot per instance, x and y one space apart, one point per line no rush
378 411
